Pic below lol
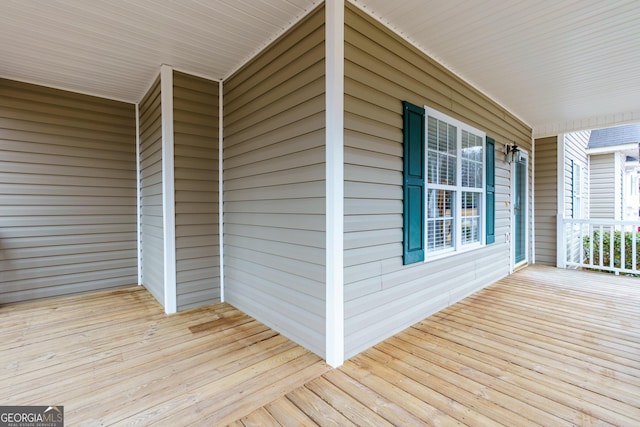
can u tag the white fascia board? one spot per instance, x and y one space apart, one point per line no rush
598 122
334 98
168 190
613 148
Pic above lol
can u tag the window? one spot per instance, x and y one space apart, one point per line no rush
455 199
576 185
448 186
633 184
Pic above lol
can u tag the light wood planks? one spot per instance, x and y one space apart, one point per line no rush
115 358
541 347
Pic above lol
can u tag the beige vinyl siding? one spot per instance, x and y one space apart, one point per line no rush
67 193
602 186
546 200
575 148
382 296
151 192
195 115
274 197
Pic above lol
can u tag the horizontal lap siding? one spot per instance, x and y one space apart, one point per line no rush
67 193
382 296
575 148
546 199
195 112
274 197
602 184
151 192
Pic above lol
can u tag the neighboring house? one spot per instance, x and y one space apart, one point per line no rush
631 189
561 170
584 175
613 178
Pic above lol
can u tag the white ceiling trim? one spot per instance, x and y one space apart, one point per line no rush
361 4
112 49
631 147
557 65
601 122
66 88
156 75
275 37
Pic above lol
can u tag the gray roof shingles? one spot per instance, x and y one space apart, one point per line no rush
614 136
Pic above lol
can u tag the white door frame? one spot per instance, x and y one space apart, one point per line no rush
525 157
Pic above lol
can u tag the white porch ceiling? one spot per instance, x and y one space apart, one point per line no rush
557 64
114 48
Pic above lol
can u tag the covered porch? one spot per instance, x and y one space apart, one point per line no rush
543 346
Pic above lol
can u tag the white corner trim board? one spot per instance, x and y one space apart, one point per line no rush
138 196
334 54
168 190
221 187
560 248
532 165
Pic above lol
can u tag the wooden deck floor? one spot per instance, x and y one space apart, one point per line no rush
542 347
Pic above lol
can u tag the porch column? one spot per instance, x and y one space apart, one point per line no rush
561 247
334 98
220 186
168 190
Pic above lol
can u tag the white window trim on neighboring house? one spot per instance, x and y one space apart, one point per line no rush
457 243
576 184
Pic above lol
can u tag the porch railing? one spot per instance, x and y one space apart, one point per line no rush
599 244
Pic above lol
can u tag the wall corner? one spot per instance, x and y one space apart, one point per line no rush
168 189
334 134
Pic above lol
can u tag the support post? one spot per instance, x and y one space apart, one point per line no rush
168 190
334 63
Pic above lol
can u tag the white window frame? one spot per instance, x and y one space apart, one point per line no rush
458 247
577 190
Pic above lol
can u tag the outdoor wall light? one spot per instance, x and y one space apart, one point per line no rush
513 153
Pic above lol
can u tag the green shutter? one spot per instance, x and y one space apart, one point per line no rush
491 190
414 133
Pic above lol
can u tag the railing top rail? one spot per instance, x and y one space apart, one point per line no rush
588 243
600 222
